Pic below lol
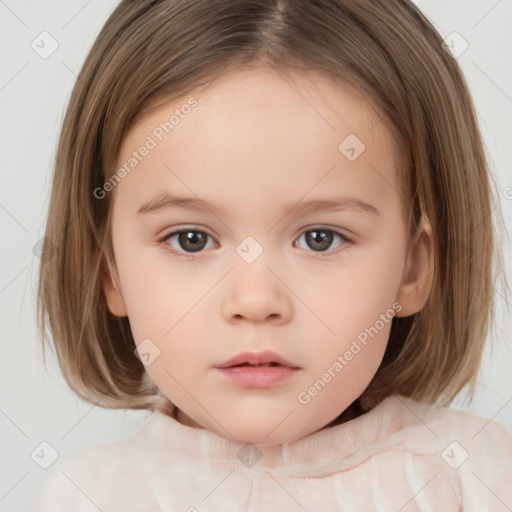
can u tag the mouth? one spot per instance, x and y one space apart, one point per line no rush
257 370
255 365
266 358
257 376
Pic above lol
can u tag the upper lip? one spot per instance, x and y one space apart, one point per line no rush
256 358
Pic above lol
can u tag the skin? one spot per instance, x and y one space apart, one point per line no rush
256 141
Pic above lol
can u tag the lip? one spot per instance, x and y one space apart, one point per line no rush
257 376
264 357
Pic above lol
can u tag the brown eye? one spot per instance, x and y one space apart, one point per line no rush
188 240
321 239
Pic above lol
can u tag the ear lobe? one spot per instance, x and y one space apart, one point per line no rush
418 271
113 296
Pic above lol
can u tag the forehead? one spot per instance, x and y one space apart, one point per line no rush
310 97
262 125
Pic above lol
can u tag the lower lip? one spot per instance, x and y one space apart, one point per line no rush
257 377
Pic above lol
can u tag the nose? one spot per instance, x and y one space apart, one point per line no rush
255 294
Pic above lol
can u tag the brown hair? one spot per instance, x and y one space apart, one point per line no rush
149 52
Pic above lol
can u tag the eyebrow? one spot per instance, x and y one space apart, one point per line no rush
166 201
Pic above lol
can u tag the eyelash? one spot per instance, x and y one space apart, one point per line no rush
321 254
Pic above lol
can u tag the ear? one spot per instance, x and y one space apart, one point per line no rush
418 273
111 289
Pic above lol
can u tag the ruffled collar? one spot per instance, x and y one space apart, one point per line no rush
323 452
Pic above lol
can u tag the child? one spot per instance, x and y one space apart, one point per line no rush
281 376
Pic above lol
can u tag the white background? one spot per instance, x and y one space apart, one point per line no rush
35 403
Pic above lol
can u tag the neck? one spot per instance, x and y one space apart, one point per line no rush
182 418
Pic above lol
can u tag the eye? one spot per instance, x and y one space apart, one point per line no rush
320 239
187 240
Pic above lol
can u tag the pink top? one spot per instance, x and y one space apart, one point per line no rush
400 456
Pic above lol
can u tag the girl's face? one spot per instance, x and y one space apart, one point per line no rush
292 241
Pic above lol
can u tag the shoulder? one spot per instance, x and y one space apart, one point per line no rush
105 477
405 409
447 424
471 452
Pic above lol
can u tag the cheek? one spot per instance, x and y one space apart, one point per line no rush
157 291
350 296
164 307
171 305
345 372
